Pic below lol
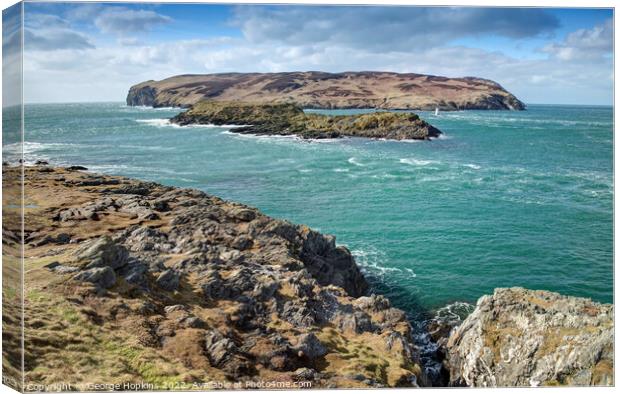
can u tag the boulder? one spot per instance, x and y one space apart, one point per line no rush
519 337
102 252
309 346
168 280
102 277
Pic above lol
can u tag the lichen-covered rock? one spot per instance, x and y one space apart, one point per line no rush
519 337
102 252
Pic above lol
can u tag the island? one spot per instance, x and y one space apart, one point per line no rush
175 288
323 90
290 119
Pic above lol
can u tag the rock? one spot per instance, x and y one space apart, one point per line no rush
305 374
130 189
309 346
61 269
41 163
134 273
102 252
519 337
168 280
76 168
174 308
76 214
52 265
103 277
289 119
218 348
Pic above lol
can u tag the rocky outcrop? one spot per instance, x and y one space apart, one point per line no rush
289 119
519 337
199 287
384 90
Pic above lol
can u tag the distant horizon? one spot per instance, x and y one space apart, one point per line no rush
123 101
80 52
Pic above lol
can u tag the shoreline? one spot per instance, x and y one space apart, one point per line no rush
428 341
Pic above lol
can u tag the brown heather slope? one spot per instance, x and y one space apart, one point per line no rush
385 90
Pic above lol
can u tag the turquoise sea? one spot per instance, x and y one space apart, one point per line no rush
502 199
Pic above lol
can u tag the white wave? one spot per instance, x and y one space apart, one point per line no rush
371 261
157 122
149 108
384 176
354 161
163 122
340 170
472 166
454 312
417 162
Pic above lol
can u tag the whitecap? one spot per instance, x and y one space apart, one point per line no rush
353 160
164 122
417 162
340 170
472 166
157 122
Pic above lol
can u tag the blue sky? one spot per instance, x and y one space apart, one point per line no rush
94 52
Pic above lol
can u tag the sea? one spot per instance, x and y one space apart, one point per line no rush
501 199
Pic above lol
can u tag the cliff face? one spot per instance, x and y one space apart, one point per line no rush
519 337
289 119
383 90
174 286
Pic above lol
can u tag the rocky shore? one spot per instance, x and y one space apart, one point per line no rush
322 90
131 281
289 119
135 281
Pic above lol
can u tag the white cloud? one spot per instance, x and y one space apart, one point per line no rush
73 71
120 20
585 44
387 28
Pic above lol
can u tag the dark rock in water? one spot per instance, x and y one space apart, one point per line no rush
103 277
168 280
76 168
41 163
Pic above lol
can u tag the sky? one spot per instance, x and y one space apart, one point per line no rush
75 52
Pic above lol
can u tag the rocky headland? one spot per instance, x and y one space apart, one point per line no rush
290 119
322 90
135 281
131 281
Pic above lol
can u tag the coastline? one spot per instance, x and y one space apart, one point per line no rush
139 221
